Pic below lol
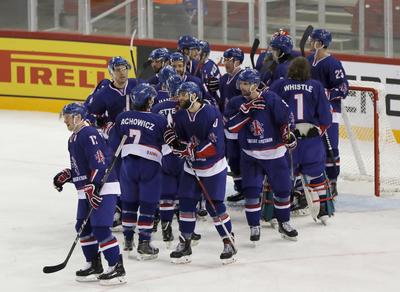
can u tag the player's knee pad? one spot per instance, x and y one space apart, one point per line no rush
102 233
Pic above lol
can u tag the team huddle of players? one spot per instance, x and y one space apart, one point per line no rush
275 126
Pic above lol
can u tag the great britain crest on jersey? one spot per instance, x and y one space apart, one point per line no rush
99 156
256 128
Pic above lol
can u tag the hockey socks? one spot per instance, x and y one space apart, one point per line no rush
253 211
146 220
221 216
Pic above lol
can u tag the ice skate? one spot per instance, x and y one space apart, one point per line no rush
287 231
323 215
145 251
156 221
235 198
270 223
254 234
299 206
117 222
195 239
91 271
182 253
115 275
227 255
167 235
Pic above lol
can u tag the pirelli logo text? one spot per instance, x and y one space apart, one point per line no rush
52 69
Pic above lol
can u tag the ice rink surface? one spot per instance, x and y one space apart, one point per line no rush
358 251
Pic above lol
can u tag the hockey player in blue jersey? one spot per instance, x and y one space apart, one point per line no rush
162 91
198 137
140 174
233 58
190 47
330 72
179 61
311 117
90 157
113 99
159 58
209 70
172 166
281 51
261 120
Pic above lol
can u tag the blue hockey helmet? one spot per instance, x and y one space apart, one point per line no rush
191 88
165 73
204 47
117 61
249 75
141 94
188 42
75 108
173 83
282 42
159 54
322 35
235 53
177 56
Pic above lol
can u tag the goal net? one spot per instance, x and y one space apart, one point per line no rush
368 148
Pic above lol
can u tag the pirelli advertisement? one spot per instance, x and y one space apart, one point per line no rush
38 74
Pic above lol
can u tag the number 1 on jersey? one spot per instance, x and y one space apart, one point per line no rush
300 106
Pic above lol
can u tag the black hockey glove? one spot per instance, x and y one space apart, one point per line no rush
213 84
61 178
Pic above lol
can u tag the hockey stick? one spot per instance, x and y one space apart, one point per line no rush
131 51
313 204
253 51
330 150
304 38
56 268
206 194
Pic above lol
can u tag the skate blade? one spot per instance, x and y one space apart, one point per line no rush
146 257
90 278
113 281
228 261
182 260
284 236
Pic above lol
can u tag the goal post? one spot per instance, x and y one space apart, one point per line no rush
368 148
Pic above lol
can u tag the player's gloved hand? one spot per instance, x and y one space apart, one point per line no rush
106 129
92 195
185 150
61 178
289 138
254 104
170 136
213 84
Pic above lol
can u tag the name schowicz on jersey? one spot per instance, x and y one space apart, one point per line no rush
138 122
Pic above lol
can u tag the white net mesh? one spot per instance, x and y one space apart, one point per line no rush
358 135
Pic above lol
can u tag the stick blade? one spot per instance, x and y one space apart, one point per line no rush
253 51
304 38
53 269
